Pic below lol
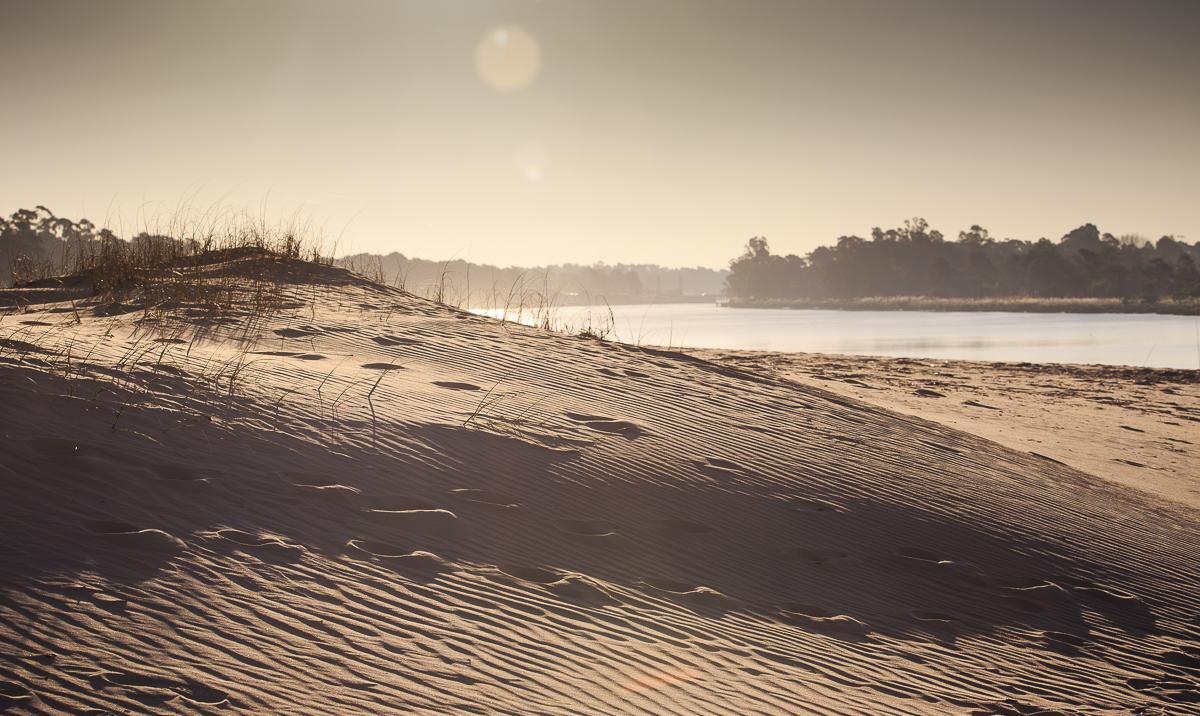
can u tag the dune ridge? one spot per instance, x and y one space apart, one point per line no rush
364 502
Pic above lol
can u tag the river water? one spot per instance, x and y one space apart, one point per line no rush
1106 338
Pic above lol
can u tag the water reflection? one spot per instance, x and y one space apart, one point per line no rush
1111 339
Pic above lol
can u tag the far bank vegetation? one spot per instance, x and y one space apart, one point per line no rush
916 267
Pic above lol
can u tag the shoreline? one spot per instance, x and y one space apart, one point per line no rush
1130 426
1169 307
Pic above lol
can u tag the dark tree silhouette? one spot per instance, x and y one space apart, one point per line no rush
916 260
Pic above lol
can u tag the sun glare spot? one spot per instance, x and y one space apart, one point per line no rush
508 58
530 160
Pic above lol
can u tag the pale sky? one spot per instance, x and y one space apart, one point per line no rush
532 132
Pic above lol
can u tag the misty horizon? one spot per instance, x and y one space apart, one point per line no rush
529 133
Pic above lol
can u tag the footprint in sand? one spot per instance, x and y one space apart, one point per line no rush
919 555
964 572
451 385
102 599
719 469
935 619
397 557
1039 591
537 575
599 529
388 340
803 504
1112 595
310 479
172 472
1063 643
398 503
485 497
296 332
324 488
167 688
153 698
598 533
822 620
109 602
697 594
103 679
128 535
566 585
599 423
724 464
409 513
259 545
201 694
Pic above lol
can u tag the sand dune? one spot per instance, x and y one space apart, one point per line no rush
1138 427
368 503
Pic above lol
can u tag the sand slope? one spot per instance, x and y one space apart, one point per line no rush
1138 427
368 503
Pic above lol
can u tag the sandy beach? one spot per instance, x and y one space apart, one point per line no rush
359 501
1136 427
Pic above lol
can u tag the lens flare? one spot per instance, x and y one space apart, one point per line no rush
530 160
507 58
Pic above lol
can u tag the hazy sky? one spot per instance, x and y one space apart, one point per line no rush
617 130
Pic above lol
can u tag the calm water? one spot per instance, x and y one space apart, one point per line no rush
1108 338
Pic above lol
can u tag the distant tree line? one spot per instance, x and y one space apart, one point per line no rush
484 285
915 260
34 243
